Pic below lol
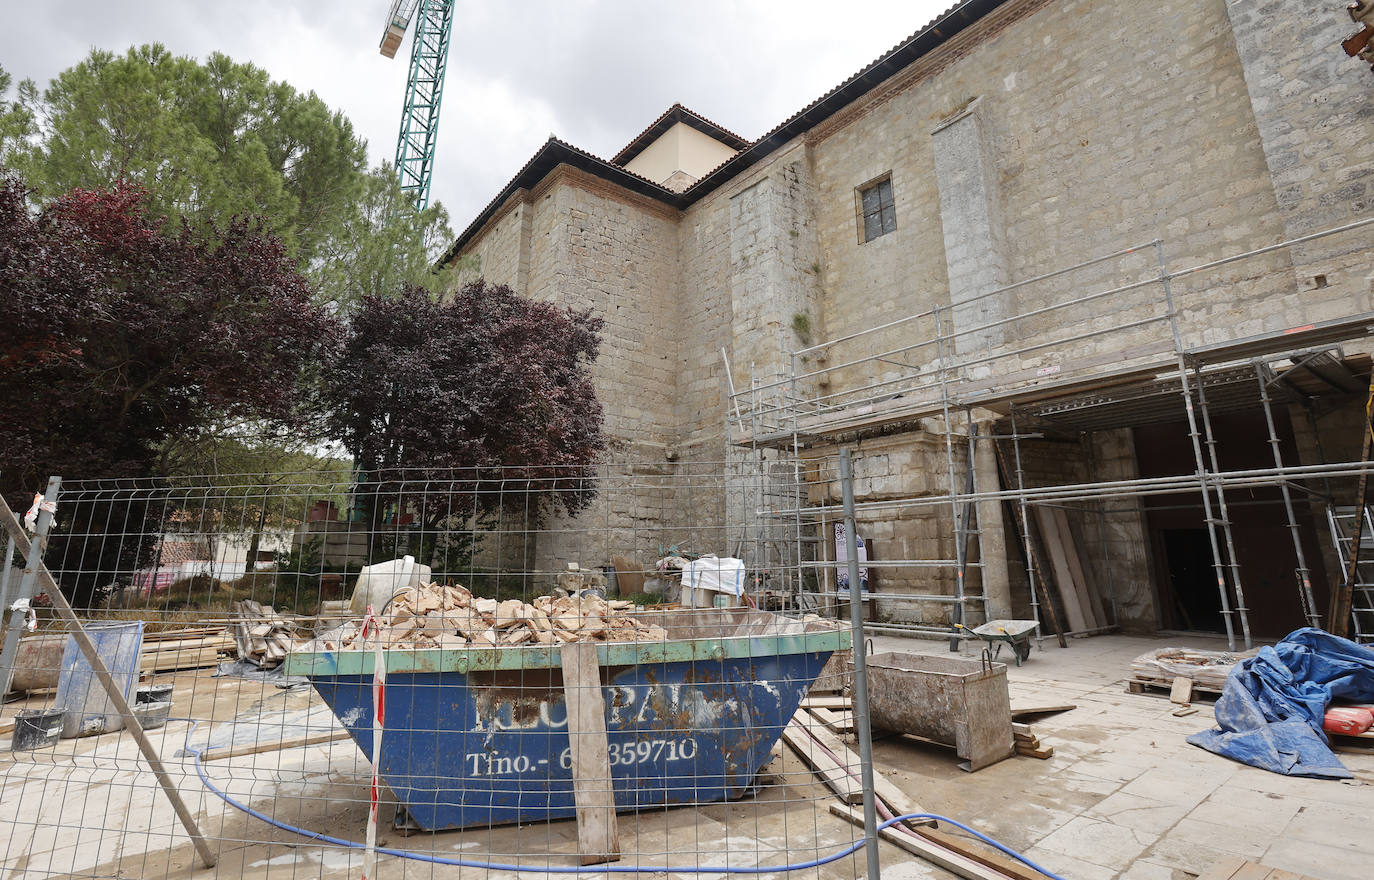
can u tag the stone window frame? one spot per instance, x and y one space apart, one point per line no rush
885 211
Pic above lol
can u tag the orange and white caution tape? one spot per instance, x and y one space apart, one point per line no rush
31 517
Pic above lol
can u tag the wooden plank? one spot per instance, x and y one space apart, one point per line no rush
186 658
1181 691
1074 609
312 739
840 722
968 850
1087 589
845 787
1087 597
826 702
898 801
1027 540
597 837
186 633
1028 711
1152 688
931 852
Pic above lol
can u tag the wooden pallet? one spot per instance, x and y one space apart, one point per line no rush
1152 687
1364 742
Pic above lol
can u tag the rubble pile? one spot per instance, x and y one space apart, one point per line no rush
449 617
261 635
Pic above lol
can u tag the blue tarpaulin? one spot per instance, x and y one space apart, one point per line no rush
1270 710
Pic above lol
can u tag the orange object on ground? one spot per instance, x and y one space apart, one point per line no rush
1348 720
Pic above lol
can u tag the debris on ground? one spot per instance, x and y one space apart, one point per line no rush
1028 744
1206 669
1347 720
1272 709
263 636
450 617
577 579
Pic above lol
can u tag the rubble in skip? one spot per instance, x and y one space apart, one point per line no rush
451 617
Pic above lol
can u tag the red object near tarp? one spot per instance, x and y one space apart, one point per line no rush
1349 720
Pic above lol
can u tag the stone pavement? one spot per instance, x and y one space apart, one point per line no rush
1124 795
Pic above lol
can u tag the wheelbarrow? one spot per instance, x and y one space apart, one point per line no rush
1016 633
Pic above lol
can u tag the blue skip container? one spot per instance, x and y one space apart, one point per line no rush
479 737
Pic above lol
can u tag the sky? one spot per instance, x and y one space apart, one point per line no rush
593 72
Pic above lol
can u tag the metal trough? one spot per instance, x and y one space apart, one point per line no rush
961 703
479 737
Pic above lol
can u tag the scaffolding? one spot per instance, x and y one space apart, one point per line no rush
1116 341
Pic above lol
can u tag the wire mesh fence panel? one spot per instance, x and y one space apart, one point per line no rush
556 671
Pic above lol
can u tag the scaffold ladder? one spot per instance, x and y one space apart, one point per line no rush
1343 522
1344 611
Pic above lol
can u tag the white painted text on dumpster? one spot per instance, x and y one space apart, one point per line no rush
620 754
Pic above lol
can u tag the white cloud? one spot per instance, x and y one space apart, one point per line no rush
594 72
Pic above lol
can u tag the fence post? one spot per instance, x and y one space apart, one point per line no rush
856 623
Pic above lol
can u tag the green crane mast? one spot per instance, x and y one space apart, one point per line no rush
424 88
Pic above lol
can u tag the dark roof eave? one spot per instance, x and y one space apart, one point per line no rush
550 156
952 22
673 115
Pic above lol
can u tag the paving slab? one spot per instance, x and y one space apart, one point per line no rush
1123 796
1131 799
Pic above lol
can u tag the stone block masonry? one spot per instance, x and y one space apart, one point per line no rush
1020 146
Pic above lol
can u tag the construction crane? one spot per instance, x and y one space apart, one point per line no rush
424 88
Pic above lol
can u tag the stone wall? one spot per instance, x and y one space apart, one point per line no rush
1049 134
903 478
1111 533
1091 152
1314 111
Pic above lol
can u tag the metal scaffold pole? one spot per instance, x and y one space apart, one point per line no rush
1218 565
1223 509
1309 602
944 348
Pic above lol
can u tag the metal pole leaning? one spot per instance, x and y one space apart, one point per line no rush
102 673
5 573
856 623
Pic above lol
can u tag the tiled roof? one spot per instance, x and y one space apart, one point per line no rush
946 25
673 115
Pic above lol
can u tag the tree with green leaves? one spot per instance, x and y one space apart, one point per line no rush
382 246
212 141
16 119
118 336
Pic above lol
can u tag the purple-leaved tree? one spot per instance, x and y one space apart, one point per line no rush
477 397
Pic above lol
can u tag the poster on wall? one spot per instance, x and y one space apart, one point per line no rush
842 560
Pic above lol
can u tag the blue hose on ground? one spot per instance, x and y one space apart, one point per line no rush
597 869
